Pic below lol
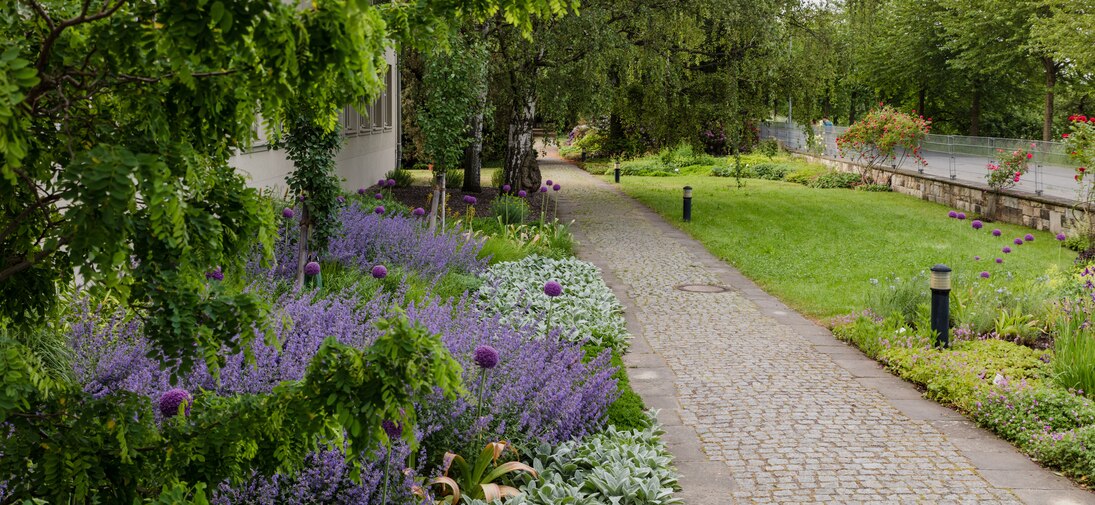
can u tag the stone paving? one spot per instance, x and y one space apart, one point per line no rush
761 405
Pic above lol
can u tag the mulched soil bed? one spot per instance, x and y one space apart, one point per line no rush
419 196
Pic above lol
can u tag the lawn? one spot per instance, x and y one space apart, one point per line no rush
819 249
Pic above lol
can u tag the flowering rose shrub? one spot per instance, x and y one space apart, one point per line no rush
1080 145
587 309
884 135
1010 166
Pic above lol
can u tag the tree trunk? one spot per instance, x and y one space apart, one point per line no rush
302 244
975 112
521 171
473 154
851 109
827 106
1051 81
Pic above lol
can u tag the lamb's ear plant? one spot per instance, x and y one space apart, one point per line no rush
473 481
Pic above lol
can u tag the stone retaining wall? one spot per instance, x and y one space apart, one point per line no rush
1040 212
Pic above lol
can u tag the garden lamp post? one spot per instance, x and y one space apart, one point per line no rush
941 306
617 171
688 204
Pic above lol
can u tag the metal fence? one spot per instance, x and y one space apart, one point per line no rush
956 156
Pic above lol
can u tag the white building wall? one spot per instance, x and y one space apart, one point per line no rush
369 146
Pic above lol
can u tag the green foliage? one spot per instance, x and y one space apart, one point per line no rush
768 147
904 299
806 175
836 180
884 136
497 179
312 147
1010 167
509 209
402 177
516 241
451 91
1073 362
1071 452
1019 414
771 171
68 446
454 178
874 188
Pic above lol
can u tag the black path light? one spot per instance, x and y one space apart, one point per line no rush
941 304
688 204
617 171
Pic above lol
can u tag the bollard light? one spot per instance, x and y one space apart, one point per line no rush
617 171
688 204
941 307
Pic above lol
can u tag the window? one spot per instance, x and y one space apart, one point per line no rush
349 119
388 97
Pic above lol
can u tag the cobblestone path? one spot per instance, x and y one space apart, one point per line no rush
761 405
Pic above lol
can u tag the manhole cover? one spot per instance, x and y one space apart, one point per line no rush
701 288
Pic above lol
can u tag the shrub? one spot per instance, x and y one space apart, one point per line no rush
768 147
745 171
806 175
872 335
1070 451
498 178
1010 167
454 178
649 166
402 178
1021 414
515 291
570 152
884 135
593 142
874 188
836 180
510 209
771 171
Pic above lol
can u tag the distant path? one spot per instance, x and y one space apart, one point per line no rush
760 405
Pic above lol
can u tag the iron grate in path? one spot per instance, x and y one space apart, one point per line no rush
701 288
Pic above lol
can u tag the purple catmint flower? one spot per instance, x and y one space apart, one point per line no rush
392 428
312 268
543 189
1006 250
997 232
553 289
999 260
379 209
486 357
556 187
379 196
1061 236
1018 241
391 183
506 188
952 214
977 224
215 274
287 213
380 272
985 275
522 193
419 211
1028 237
961 216
548 182
170 401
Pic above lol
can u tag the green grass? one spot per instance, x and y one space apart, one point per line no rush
819 249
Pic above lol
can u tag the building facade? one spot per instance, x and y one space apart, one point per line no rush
370 146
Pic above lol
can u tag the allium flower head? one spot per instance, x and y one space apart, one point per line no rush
999 260
379 209
287 213
1006 250
380 272
215 274
1061 236
522 193
977 224
312 268
997 232
419 211
382 183
391 183
961 215
553 289
170 401
543 189
976 258
952 214
1018 241
548 182
556 187
361 191
392 428
985 275
1028 237
486 357
506 188
379 196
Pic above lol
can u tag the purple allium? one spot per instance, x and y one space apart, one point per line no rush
556 187
379 209
976 258
1006 249
379 196
543 189
553 289
1061 236
170 401
548 182
522 193
391 183
312 268
977 224
952 214
506 188
472 200
997 232
392 428
486 357
361 191
382 183
1028 237
215 274
419 211
287 213
380 272
467 198
300 198
999 260
961 215
985 275
1018 241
